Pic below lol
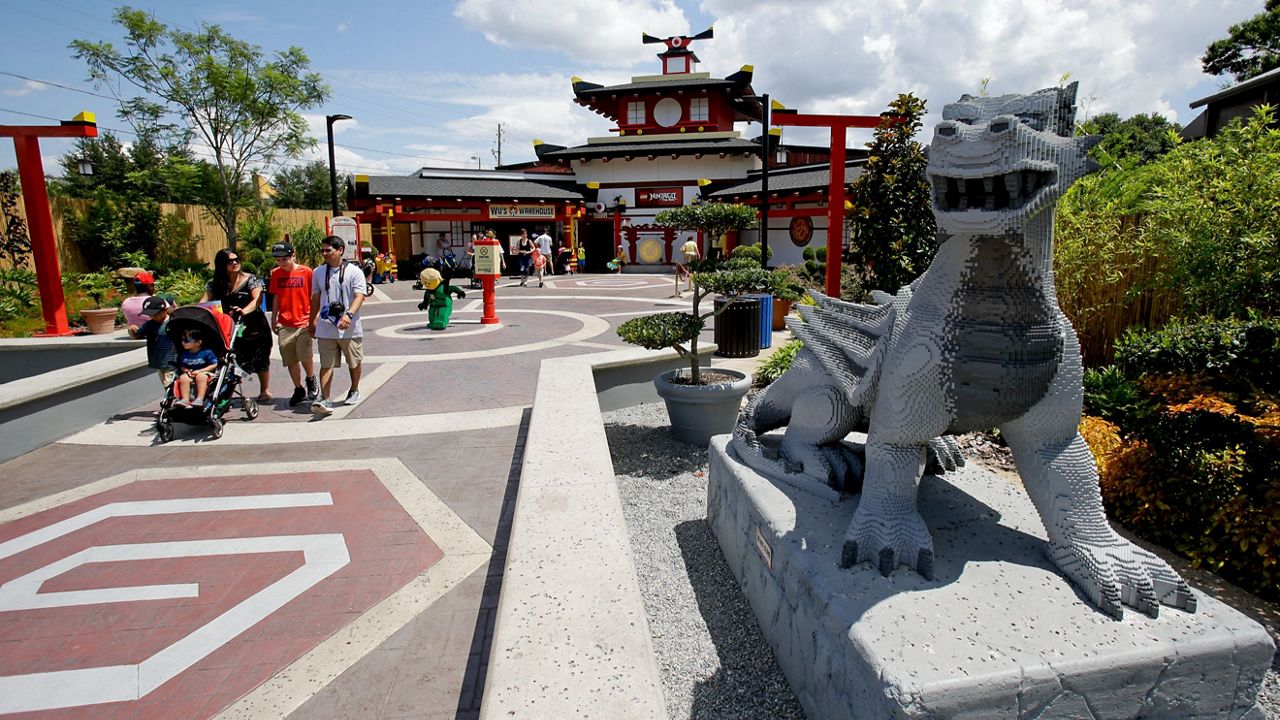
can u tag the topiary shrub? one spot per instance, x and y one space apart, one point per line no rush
679 330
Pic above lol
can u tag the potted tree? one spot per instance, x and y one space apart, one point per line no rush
700 403
100 286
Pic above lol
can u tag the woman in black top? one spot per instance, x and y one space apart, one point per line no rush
241 295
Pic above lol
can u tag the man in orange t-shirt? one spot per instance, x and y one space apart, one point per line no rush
290 289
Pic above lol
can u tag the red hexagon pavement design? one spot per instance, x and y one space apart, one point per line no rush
214 566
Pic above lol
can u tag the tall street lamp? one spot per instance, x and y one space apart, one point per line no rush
329 120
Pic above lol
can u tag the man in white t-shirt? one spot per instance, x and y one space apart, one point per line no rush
544 247
338 292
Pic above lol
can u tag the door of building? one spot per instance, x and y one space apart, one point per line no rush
599 244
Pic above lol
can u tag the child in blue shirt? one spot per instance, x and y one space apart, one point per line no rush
161 354
194 362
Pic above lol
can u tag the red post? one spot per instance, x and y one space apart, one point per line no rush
35 197
835 212
488 266
839 125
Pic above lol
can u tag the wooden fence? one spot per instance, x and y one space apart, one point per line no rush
210 234
1101 309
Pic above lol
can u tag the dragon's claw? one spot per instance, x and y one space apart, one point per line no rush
889 539
1118 573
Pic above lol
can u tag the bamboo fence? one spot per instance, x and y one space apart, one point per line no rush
210 234
1101 309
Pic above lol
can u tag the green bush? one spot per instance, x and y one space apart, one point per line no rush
102 286
17 293
1111 395
1239 351
258 229
306 240
750 252
185 286
1199 466
778 363
661 330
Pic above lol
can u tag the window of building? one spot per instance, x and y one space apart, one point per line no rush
698 110
635 113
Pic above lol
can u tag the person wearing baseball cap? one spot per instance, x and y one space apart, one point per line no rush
144 286
290 289
162 356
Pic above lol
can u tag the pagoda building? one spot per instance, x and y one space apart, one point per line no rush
674 134
674 143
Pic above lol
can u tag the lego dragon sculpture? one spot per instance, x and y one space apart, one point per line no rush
977 341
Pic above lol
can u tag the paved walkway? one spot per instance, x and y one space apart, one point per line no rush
344 567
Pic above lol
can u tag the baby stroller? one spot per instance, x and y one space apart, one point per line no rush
218 332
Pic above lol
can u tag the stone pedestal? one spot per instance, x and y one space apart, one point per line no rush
998 633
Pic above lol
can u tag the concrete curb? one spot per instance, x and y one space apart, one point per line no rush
572 638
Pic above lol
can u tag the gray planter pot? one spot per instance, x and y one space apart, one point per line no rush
699 411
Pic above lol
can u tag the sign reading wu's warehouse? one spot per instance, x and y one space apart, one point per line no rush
660 197
522 211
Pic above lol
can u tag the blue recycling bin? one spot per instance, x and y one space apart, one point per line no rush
766 319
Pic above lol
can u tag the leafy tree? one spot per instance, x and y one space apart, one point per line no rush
1250 48
210 88
141 171
894 234
1139 139
306 187
712 219
15 243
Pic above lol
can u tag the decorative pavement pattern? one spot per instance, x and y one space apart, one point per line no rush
344 567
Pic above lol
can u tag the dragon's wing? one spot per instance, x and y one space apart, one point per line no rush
848 339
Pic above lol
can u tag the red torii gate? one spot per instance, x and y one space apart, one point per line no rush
35 198
839 125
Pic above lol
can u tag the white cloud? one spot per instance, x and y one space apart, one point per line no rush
601 32
27 87
836 56
342 26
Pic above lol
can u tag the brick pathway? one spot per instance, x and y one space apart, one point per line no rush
347 567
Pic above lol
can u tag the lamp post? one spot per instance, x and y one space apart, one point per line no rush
329 120
477 159
764 183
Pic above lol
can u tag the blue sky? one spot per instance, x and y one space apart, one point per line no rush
429 81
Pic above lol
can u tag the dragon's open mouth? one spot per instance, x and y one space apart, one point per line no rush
1006 191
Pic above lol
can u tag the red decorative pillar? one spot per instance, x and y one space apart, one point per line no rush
730 242
839 125
35 199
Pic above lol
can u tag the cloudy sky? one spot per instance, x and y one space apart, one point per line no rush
428 83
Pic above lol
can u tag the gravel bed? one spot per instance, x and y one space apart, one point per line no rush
713 660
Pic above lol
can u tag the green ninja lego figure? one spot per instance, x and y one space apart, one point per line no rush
436 299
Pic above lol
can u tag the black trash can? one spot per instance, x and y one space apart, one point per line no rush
737 331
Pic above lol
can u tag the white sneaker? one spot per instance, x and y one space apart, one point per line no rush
322 407
353 398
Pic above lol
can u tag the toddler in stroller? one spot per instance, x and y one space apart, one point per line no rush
215 375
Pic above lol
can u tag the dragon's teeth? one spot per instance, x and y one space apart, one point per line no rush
989 184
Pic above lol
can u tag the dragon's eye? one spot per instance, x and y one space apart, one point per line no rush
999 126
1033 120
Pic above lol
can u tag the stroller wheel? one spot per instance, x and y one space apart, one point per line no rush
164 430
216 424
250 408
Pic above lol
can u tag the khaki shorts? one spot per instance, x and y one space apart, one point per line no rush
295 345
332 351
